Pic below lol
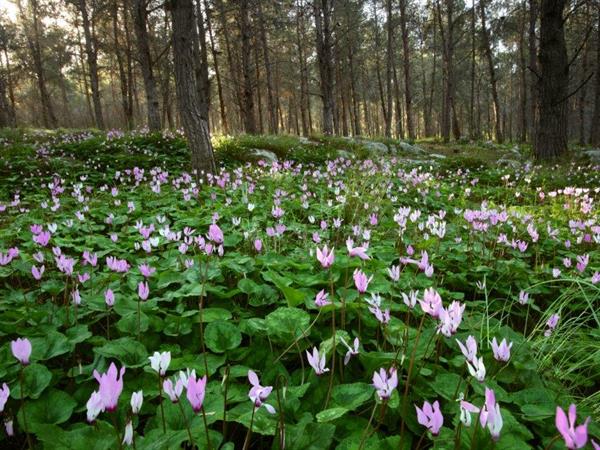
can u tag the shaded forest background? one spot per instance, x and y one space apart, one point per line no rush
397 68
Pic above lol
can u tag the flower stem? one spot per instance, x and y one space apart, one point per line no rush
25 427
333 358
162 409
187 424
249 433
208 444
366 430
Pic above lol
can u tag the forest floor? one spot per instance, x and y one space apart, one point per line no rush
348 284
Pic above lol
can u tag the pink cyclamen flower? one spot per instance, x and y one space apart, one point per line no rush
477 369
410 300
501 351
595 445
352 351
4 394
143 290
360 251
523 298
575 437
111 386
382 316
431 303
466 409
215 234
394 273
361 281
385 382
450 318
469 349
21 349
146 270
325 257
109 298
316 361
551 324
431 417
490 415
173 391
95 405
37 273
196 389
258 394
258 245
321 299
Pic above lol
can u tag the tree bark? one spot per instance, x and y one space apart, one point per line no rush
551 126
323 11
389 68
213 51
410 123
271 98
140 19
247 101
487 47
595 128
533 81
189 103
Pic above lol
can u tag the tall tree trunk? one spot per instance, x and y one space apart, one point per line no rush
201 66
487 47
523 127
410 123
271 101
551 126
213 51
323 10
248 88
447 35
11 116
190 105
6 117
91 52
121 67
595 133
304 95
533 81
33 37
140 21
389 68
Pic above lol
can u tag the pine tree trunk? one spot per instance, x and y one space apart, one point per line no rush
322 12
140 19
213 50
595 128
247 75
410 123
190 105
551 126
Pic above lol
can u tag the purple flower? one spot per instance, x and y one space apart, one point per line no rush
575 437
394 273
410 300
111 386
174 392
258 245
382 316
325 257
95 405
385 382
431 303
258 394
143 290
109 298
466 409
470 349
316 361
146 270
477 369
501 351
490 415
356 251
21 349
551 324
321 299
523 298
4 394
196 389
431 417
450 318
352 351
215 234
361 281
37 273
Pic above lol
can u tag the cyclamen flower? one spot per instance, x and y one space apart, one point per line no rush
490 415
109 298
316 361
466 409
173 391
477 368
394 273
356 251
523 298
385 382
8 426
137 398
258 394
361 281
160 362
4 394
470 349
551 324
321 299
325 257
431 303
196 389
352 351
95 405
501 351
143 290
450 318
128 435
258 245
575 437
37 273
215 234
383 316
146 270
111 386
431 417
21 350
410 300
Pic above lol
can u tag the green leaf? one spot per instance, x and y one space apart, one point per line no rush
36 378
130 352
353 395
53 407
286 324
221 336
327 415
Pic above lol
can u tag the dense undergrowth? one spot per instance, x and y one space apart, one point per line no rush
109 252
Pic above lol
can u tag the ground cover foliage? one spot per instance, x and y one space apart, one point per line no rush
324 297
